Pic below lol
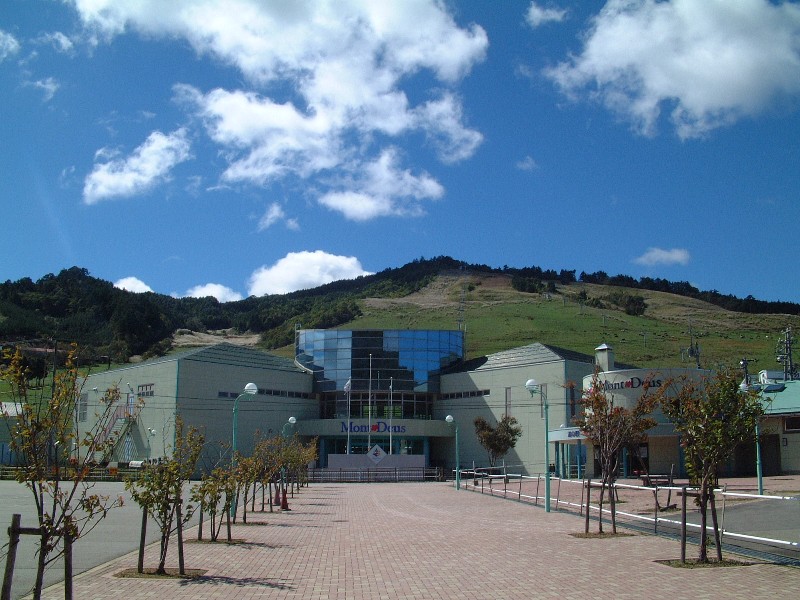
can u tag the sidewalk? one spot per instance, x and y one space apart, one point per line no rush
425 541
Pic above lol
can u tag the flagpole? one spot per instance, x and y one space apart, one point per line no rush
391 389
347 387
369 406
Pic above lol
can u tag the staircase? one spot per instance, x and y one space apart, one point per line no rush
118 427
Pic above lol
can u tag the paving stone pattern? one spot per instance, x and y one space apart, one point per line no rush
426 541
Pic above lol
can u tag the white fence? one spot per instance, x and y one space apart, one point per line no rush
756 521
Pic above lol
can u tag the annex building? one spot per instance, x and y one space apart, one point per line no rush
379 399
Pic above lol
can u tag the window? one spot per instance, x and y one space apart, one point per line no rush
791 424
83 406
572 402
469 394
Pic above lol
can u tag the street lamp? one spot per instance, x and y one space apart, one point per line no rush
285 433
451 421
744 388
249 390
533 387
347 387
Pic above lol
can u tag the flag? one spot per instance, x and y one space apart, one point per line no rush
347 386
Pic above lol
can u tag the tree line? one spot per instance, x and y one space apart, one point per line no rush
113 324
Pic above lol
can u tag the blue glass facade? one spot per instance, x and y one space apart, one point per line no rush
392 373
410 359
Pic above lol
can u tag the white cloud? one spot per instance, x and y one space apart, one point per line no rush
215 290
264 140
358 206
273 214
303 270
48 87
441 122
658 256
527 164
345 64
712 62
8 45
538 15
149 164
381 188
58 40
132 284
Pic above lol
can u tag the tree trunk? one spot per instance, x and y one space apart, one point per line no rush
703 557
162 559
612 495
40 564
717 538
603 482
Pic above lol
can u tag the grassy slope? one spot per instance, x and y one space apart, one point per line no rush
497 318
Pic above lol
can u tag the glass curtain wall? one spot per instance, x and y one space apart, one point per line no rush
391 372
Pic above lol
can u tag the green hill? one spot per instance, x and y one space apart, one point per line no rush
497 317
647 321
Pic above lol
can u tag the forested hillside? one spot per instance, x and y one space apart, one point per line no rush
115 324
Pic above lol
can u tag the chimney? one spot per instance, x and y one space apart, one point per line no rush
604 357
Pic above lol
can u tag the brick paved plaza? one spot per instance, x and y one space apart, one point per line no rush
426 541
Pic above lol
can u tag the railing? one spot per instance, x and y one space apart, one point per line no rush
645 505
375 475
94 474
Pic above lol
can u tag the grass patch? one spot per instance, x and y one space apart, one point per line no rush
500 318
170 574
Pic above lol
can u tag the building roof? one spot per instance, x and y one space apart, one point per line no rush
227 354
521 356
240 356
785 401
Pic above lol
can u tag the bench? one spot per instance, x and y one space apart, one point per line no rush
654 480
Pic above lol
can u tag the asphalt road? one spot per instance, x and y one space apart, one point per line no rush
114 536
770 519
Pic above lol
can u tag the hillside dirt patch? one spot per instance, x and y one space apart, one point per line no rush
185 338
446 291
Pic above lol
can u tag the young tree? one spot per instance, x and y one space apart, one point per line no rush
713 416
246 474
158 489
56 457
610 428
217 487
497 440
296 457
267 451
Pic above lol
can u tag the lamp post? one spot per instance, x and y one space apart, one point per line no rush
391 385
533 387
451 421
249 390
347 387
744 387
285 433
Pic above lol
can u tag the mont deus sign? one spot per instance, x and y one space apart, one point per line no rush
376 427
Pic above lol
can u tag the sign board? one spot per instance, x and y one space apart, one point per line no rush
376 454
566 434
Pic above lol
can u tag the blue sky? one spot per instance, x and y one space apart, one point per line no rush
247 147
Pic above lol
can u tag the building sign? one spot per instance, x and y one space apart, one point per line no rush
566 434
631 384
376 454
377 427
